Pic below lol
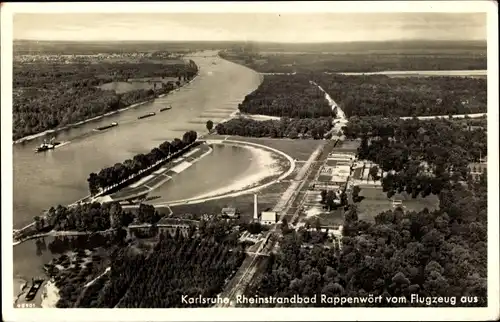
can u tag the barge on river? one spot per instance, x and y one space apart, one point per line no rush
166 108
36 284
105 127
147 115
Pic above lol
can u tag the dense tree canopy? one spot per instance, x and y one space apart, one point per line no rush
315 128
92 217
50 95
421 156
405 96
439 253
121 171
193 264
290 96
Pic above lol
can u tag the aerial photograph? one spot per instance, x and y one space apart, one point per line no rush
249 160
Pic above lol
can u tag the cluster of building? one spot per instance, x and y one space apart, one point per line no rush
478 168
338 169
26 58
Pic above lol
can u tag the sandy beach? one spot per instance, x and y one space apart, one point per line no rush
268 167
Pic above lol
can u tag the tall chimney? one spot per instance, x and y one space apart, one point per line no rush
255 210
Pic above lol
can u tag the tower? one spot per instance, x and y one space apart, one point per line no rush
255 208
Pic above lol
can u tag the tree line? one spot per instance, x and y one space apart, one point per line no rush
110 176
438 253
52 95
316 128
94 217
287 96
358 62
371 95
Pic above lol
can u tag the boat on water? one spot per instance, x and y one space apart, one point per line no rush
47 146
36 284
106 126
166 108
146 115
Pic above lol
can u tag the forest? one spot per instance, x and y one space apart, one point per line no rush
438 253
49 95
287 96
94 217
316 128
193 264
372 95
417 161
360 56
116 174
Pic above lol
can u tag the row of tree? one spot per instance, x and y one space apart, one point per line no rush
371 95
111 176
315 128
287 96
438 253
92 217
55 95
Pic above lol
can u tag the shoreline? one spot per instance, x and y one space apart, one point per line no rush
256 187
269 166
98 117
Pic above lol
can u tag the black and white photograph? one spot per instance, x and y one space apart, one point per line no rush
328 157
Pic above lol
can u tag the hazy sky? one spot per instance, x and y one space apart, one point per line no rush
287 27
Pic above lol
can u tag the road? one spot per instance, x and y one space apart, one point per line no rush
249 266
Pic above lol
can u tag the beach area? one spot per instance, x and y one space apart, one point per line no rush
265 165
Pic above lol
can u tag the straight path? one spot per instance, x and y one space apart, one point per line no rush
248 268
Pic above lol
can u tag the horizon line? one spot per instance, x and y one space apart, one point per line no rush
254 41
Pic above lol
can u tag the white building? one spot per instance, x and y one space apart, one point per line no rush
265 217
269 217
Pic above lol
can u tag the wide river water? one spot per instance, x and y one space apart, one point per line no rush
60 176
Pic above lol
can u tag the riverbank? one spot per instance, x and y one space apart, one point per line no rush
95 118
268 164
17 239
159 177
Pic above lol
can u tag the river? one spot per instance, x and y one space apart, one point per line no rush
60 176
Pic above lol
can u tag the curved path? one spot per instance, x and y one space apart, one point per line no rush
240 192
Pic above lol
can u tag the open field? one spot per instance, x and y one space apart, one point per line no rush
297 149
267 198
375 201
124 87
332 218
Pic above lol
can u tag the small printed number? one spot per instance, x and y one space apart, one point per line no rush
26 305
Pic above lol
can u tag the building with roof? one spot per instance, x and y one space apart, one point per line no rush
268 217
230 212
